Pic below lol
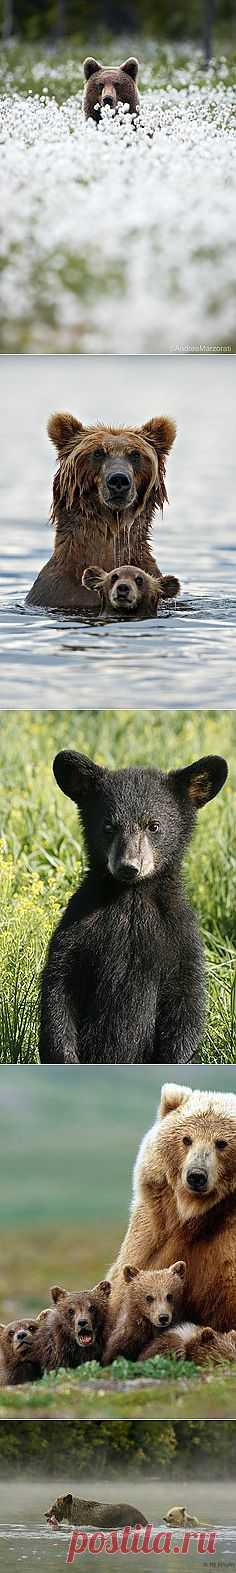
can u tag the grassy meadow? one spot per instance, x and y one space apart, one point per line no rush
42 855
68 1141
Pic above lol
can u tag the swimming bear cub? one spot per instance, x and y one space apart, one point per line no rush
124 977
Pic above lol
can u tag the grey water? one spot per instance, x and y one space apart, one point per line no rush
26 1538
185 656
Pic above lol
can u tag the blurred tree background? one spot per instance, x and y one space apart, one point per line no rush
174 20
143 1447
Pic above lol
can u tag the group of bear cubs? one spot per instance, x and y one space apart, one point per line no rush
108 484
172 1289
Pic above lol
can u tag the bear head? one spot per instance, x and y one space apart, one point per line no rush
61 1508
137 821
106 87
17 1339
156 1295
129 589
82 1315
196 1144
109 477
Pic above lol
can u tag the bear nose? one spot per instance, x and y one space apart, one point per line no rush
128 871
21 1335
107 99
163 1320
82 1323
197 1179
118 481
122 591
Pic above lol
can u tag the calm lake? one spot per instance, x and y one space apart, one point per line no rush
186 656
25 1538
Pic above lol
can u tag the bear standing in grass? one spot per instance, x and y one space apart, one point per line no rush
108 86
124 978
184 1203
108 484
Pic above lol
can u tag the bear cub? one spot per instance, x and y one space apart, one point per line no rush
109 86
124 977
152 1302
129 590
21 1354
77 1327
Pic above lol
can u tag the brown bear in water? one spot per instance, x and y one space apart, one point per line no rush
21 1352
106 488
179 1518
184 1202
152 1301
127 591
77 1328
109 86
105 1515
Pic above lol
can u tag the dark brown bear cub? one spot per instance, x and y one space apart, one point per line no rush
109 86
124 978
78 1327
151 1304
21 1356
109 482
129 592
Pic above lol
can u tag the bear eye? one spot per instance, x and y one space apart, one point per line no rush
139 579
134 457
220 1145
109 827
98 453
169 1298
149 1299
187 1141
114 578
71 1312
153 825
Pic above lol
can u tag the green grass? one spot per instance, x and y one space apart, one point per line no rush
42 855
126 1391
58 72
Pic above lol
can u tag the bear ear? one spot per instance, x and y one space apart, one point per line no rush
201 781
104 1288
180 1269
160 433
171 1098
129 1273
75 773
169 587
93 578
90 66
61 428
58 1294
131 68
42 1315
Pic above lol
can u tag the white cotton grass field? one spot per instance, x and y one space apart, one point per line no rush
116 235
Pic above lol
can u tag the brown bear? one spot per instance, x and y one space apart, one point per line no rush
21 1354
184 1203
105 491
151 1303
127 591
76 1330
109 86
178 1517
105 1515
189 1341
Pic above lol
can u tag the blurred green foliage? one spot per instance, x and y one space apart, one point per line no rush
146 1447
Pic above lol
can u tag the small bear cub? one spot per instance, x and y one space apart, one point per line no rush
21 1358
152 1302
129 590
78 1327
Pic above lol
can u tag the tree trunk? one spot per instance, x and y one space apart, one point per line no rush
7 21
208 22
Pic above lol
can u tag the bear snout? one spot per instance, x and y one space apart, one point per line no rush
164 1319
83 1330
109 96
197 1178
21 1336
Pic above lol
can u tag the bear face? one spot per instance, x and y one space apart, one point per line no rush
109 470
60 1509
155 1295
129 590
108 86
19 1350
197 1145
137 821
80 1322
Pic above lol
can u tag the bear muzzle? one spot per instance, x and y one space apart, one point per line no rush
197 1179
117 485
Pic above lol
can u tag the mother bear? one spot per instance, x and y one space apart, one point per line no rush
184 1202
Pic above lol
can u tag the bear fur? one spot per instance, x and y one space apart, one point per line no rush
126 591
109 86
179 1518
184 1203
124 976
76 1329
105 1515
110 480
21 1352
151 1303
